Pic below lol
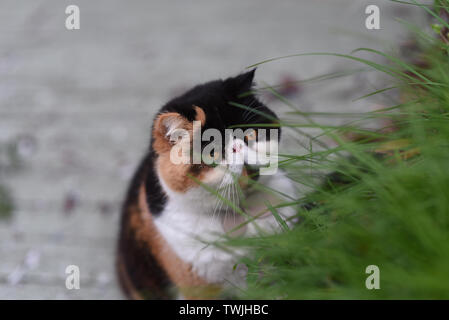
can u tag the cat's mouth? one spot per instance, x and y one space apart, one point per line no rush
233 189
234 169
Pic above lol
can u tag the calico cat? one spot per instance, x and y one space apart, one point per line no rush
176 212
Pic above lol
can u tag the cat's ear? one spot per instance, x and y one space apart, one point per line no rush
241 83
200 115
169 128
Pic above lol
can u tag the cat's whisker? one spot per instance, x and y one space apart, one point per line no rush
226 206
218 202
234 200
244 113
218 207
247 111
252 115
250 112
237 196
223 191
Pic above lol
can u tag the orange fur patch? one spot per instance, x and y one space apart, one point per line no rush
126 282
176 176
200 115
161 143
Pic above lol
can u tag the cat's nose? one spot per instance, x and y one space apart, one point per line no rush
236 147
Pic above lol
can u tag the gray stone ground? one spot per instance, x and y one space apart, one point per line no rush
85 99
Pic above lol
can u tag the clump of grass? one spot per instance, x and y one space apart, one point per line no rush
6 206
9 162
385 204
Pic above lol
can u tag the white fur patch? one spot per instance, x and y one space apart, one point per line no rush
190 227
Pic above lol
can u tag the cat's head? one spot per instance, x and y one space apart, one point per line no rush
211 133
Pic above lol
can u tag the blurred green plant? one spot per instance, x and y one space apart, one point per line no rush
386 201
6 203
9 162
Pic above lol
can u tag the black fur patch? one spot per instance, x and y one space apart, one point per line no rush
156 197
141 266
214 98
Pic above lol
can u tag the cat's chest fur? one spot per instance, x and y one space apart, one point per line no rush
189 226
196 233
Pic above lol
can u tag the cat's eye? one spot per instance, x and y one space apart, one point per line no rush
215 155
252 135
212 158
